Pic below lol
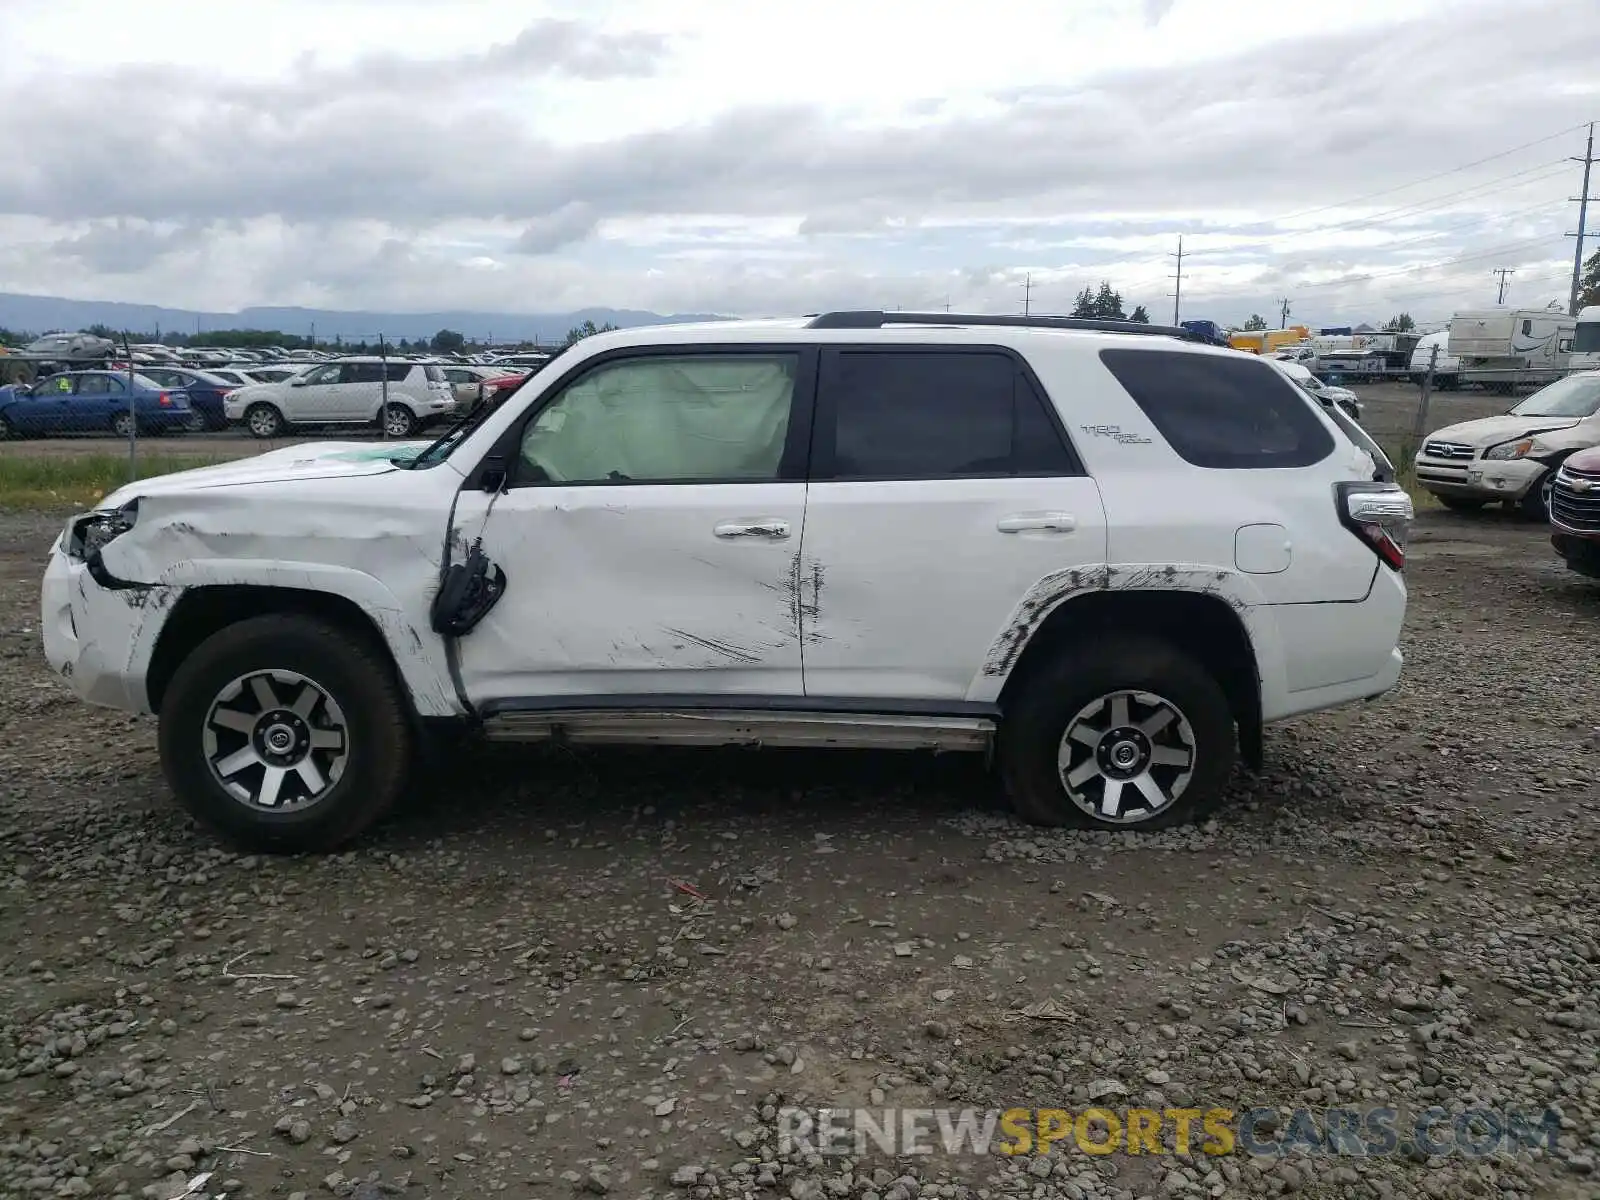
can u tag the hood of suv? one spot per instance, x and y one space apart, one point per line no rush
1491 431
318 460
1585 460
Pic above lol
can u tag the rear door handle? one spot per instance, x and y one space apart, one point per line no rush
762 527
1054 522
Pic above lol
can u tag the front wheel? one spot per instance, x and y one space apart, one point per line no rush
122 425
1536 504
1123 733
284 734
264 421
399 421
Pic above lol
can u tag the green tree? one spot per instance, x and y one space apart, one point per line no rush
1589 282
1083 306
588 329
1108 303
1401 323
448 341
1256 321
1140 316
104 331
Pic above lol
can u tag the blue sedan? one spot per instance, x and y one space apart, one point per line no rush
205 391
92 402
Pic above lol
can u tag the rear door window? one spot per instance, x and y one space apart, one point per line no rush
917 414
1224 412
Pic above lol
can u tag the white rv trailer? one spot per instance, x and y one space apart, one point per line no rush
1507 348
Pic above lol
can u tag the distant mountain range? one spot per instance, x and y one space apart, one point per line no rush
42 314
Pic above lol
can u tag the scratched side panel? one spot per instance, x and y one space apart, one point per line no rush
630 590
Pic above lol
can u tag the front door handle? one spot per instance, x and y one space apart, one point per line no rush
762 527
1054 522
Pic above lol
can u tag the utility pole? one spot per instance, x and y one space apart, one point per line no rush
1583 199
1027 294
1283 317
1503 272
947 302
1177 290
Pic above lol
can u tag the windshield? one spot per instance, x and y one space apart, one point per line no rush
1575 396
1587 339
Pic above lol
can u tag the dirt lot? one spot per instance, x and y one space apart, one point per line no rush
516 986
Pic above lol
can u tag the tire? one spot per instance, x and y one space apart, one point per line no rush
1535 506
1461 504
399 421
355 734
1084 688
7 432
264 421
123 426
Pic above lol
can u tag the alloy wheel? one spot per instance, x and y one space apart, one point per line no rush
276 741
1126 757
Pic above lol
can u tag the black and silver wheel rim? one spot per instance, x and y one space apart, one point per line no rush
276 741
1127 757
397 422
122 425
263 423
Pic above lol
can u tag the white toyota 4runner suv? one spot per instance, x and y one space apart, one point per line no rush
1104 552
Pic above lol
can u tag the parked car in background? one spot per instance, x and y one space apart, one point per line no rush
468 383
93 402
1326 393
348 391
207 391
1575 512
71 346
1512 459
270 374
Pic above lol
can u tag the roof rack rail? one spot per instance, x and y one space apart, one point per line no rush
877 319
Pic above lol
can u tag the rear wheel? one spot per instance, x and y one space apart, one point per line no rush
399 421
284 733
1121 733
123 425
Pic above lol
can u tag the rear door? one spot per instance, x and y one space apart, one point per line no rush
943 494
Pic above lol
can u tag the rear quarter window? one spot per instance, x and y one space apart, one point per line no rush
1222 412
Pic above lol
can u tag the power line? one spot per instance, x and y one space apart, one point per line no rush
1430 178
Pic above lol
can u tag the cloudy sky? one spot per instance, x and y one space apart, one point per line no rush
752 157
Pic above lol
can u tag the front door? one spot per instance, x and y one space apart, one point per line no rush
946 509
312 398
650 532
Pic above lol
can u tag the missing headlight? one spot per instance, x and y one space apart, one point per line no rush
93 532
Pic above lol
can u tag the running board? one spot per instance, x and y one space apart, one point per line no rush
736 727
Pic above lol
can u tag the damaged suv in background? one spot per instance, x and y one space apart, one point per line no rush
1513 459
1109 553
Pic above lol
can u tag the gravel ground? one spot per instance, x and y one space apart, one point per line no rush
605 973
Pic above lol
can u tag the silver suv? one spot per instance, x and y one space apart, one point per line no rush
348 391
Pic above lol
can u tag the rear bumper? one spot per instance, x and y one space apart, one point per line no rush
1337 654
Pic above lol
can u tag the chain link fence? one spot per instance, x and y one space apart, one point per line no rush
75 428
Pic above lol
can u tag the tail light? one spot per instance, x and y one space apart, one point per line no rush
1380 514
164 400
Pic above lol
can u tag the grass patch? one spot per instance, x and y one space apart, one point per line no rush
1404 457
79 480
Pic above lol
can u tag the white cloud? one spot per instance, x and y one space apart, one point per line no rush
394 154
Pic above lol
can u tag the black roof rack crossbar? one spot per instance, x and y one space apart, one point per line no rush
876 319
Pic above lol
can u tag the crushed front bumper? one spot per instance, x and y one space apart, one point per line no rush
99 640
1487 479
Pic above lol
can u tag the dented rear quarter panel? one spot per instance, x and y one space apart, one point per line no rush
374 539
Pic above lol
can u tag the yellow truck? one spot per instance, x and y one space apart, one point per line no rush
1265 341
